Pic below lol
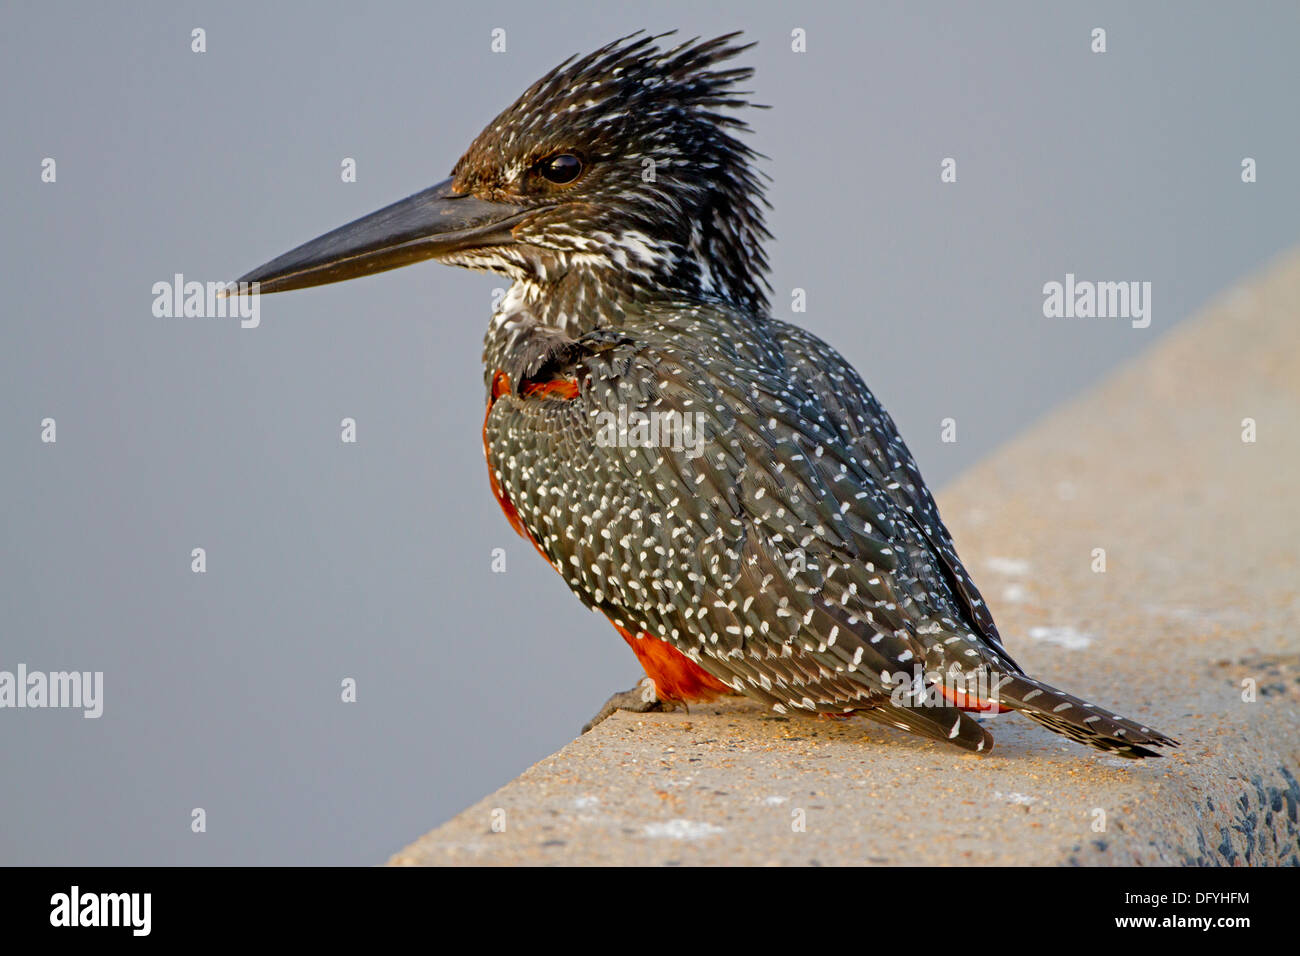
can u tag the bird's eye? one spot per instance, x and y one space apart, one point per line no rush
560 169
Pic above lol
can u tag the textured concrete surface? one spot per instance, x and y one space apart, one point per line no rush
1199 601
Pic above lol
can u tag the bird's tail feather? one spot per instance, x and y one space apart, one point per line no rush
1079 720
946 724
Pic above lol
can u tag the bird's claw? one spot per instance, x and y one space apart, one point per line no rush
641 699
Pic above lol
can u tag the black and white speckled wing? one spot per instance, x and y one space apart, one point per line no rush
865 424
771 552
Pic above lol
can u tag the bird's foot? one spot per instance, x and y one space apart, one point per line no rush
641 699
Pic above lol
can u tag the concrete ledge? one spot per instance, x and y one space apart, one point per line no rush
1201 592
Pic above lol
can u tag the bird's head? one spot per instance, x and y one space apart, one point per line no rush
619 170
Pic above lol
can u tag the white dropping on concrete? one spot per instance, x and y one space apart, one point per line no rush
680 830
1067 637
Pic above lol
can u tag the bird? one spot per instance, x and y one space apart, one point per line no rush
719 483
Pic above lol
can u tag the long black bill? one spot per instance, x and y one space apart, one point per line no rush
433 222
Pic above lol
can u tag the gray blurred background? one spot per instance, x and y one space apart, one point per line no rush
372 561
